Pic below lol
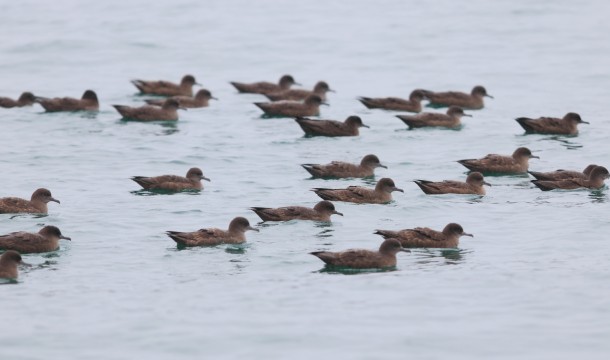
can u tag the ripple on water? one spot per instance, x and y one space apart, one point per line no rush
537 268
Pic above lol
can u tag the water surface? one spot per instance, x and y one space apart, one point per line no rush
532 283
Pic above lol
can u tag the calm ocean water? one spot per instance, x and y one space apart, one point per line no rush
532 283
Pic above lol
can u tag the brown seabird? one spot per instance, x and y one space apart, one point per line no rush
26 99
348 127
320 89
167 112
36 205
595 181
167 88
472 101
548 125
212 236
413 104
320 212
201 99
8 265
289 108
357 194
426 237
363 259
563 174
192 181
264 87
88 102
517 163
47 239
339 169
473 185
450 120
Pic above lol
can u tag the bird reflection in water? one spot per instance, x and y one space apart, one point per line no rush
598 196
452 256
325 229
327 269
169 128
236 249
570 145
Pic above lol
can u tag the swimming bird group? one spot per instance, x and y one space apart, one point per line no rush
301 104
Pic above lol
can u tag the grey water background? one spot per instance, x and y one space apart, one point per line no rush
532 283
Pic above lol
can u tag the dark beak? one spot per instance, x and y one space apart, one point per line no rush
486 183
337 213
214 98
197 84
253 229
405 250
467 115
382 166
205 178
584 122
324 103
397 189
489 96
64 237
296 83
467 234
534 157
331 90
54 199
366 126
182 108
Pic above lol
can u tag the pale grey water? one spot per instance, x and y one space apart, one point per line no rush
532 283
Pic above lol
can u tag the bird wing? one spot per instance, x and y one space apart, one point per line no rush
350 194
209 232
340 167
292 211
21 239
166 84
448 95
7 102
19 236
209 236
357 258
326 127
498 159
359 191
353 258
11 204
545 124
396 101
428 233
567 184
570 184
170 178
